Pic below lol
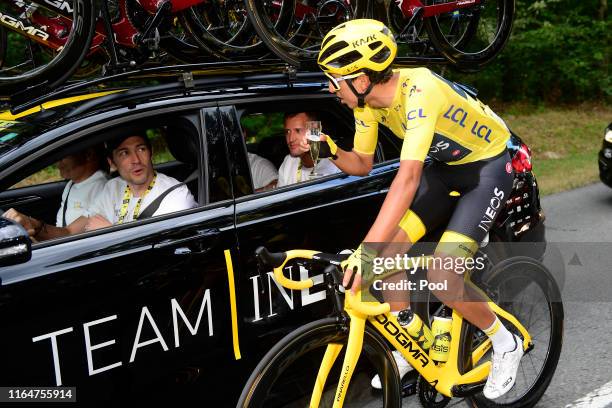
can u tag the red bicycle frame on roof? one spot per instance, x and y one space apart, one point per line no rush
411 7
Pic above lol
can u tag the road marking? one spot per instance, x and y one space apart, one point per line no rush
600 398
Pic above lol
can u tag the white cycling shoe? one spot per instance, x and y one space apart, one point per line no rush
402 366
503 371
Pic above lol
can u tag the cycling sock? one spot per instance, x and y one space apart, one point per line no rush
502 339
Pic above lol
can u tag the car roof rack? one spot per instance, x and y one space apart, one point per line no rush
23 100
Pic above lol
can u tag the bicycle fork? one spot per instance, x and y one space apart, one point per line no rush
353 351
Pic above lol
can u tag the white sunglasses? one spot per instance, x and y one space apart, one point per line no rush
335 81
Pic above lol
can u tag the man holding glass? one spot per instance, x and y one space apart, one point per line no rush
467 142
301 164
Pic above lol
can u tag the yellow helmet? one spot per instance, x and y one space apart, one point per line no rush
355 45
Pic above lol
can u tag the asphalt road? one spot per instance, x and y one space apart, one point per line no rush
579 233
580 223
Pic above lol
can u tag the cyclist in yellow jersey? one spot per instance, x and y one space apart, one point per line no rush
467 141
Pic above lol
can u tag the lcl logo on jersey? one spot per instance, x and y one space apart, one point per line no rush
415 114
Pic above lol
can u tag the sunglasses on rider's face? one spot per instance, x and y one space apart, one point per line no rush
335 81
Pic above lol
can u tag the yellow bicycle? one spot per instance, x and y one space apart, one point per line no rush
527 300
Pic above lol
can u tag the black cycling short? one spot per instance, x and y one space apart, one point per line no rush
484 187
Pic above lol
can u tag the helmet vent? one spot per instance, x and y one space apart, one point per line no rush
346 59
375 45
334 48
381 56
327 39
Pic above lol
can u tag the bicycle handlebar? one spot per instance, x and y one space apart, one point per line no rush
277 261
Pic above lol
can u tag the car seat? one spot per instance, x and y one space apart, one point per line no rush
182 140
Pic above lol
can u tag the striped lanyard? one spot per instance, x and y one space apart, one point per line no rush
127 194
299 171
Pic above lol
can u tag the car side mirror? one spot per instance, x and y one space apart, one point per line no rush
15 244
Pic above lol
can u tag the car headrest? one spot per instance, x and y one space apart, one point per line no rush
182 140
273 148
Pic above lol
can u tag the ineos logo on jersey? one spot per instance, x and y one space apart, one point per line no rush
491 211
18 25
438 147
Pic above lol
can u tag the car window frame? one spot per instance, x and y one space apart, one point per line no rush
59 140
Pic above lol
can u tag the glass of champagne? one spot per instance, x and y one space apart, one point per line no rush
313 136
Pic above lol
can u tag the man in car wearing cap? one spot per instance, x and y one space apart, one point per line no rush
125 198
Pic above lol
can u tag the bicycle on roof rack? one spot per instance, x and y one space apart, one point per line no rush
520 290
54 40
468 33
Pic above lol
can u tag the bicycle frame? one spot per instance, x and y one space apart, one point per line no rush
52 32
411 7
445 378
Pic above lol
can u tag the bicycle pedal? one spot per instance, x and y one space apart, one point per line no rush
409 383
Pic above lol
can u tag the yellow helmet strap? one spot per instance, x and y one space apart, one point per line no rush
360 96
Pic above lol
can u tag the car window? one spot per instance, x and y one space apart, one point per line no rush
172 148
264 132
49 174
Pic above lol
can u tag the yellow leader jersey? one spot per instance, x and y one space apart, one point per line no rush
435 117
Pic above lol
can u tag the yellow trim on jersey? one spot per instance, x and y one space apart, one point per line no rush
456 244
434 117
413 226
7 115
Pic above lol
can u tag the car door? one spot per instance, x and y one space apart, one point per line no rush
326 215
129 312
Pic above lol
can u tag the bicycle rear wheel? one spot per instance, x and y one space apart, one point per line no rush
471 37
27 62
285 376
525 288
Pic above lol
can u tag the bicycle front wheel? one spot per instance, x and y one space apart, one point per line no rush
286 375
471 37
525 288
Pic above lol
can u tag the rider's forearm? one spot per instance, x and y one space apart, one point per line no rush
352 163
398 201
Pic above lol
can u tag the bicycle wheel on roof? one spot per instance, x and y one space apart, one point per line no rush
45 43
471 37
300 40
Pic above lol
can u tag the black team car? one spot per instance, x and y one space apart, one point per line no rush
174 307
605 158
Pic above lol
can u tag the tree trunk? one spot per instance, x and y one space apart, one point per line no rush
602 11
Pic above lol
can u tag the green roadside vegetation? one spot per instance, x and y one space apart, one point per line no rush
564 141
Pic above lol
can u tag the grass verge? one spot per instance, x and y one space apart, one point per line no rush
564 141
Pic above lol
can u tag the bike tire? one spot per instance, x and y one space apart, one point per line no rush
3 45
223 44
63 65
484 37
277 363
285 45
525 273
